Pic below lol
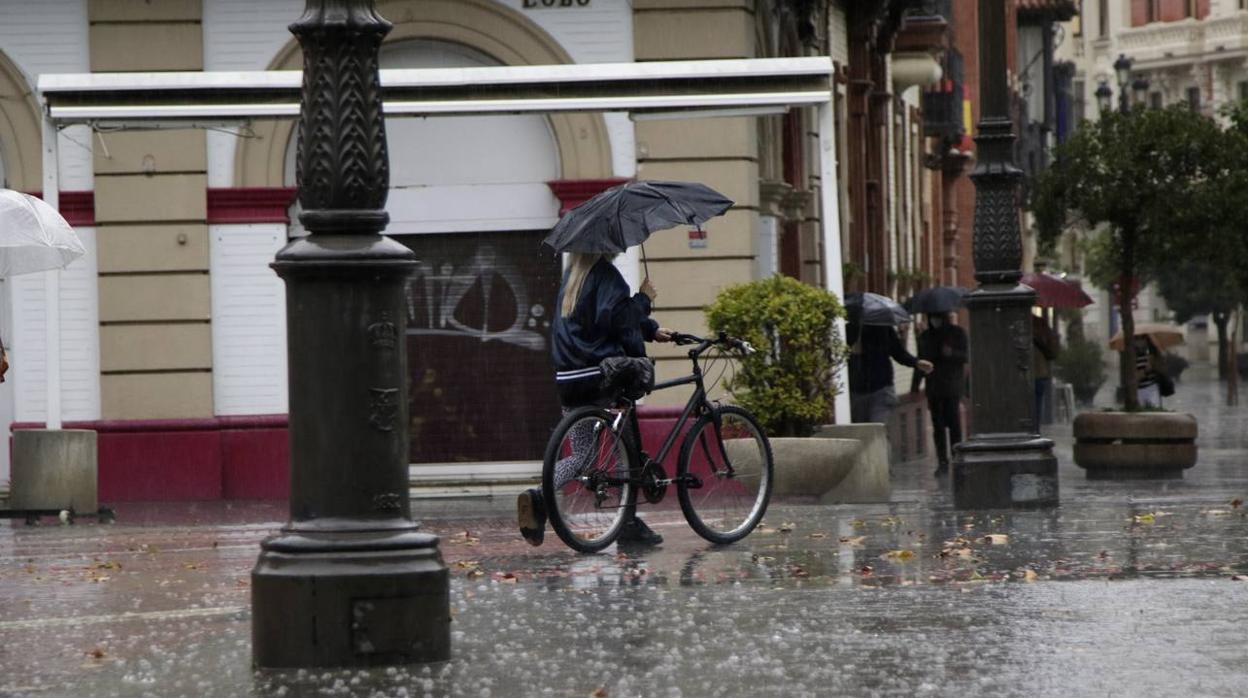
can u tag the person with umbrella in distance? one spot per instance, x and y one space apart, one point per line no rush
599 321
1151 338
871 333
944 345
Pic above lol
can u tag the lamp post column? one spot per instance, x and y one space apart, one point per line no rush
349 581
1005 462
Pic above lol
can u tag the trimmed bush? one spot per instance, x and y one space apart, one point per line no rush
789 383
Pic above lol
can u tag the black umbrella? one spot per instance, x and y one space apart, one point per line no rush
625 215
937 300
874 309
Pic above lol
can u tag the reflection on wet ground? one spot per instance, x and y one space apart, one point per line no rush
1125 589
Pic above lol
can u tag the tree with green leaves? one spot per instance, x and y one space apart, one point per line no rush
1194 287
1143 185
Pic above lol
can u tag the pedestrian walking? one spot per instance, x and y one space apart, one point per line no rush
1046 348
872 351
944 345
1148 371
598 322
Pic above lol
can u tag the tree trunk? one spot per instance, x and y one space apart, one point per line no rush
1126 358
1224 364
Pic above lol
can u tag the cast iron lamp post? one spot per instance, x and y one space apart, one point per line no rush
1122 74
349 581
1005 462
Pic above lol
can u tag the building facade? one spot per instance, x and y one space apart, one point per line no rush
175 348
1192 52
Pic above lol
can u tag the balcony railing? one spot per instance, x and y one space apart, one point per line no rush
1173 42
942 103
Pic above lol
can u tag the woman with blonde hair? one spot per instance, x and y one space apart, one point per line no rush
598 319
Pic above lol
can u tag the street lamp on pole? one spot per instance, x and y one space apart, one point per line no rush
1125 79
349 580
1104 97
1005 462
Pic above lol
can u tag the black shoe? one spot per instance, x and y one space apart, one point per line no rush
531 515
942 470
636 531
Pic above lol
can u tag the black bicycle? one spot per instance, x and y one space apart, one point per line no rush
594 467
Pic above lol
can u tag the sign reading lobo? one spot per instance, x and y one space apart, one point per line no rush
532 4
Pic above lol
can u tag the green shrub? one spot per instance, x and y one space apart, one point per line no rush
789 383
1081 365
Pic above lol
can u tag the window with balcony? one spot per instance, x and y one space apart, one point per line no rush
1243 86
1155 100
1193 98
1149 11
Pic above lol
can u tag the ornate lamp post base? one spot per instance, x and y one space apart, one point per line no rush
349 581
1005 463
350 599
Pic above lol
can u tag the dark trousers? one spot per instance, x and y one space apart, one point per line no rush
945 415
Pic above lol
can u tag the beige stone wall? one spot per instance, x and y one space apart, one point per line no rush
721 152
150 209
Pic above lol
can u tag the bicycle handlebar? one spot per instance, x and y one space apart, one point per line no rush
683 339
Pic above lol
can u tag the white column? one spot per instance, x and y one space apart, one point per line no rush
831 215
52 281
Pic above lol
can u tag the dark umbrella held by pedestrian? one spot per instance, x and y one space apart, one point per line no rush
874 309
627 214
937 300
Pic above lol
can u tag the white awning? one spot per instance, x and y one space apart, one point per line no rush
703 86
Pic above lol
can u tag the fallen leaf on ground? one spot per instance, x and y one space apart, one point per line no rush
1030 576
852 540
599 693
787 526
818 534
96 653
996 539
1237 503
465 538
1145 519
903 555
1215 512
858 523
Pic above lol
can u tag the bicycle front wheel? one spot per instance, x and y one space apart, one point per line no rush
585 479
724 476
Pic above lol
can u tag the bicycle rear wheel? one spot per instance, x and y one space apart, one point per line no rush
724 484
585 480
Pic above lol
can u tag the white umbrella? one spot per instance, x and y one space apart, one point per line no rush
34 236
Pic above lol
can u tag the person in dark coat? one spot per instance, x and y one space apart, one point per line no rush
599 319
944 344
1046 346
872 351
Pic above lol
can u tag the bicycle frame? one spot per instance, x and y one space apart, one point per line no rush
698 404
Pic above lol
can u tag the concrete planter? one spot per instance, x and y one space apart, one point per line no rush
55 470
1134 445
840 463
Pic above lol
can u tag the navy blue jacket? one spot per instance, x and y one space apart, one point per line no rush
606 321
871 369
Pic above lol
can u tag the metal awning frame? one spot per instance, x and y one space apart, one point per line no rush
653 90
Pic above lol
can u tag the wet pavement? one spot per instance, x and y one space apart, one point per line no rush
1126 589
